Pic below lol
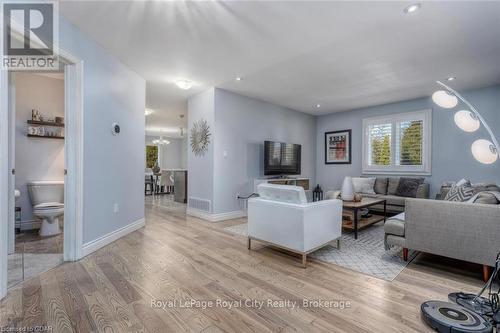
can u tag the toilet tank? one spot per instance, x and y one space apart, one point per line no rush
46 191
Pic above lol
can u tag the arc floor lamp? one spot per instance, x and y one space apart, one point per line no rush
484 151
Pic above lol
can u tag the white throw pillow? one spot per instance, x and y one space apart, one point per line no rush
364 185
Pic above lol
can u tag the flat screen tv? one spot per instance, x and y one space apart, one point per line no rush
281 158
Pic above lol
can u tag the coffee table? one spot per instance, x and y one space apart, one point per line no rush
363 222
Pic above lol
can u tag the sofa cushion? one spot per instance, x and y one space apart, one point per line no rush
363 185
486 198
392 185
460 193
408 187
395 226
380 185
393 200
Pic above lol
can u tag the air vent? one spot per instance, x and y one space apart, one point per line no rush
200 204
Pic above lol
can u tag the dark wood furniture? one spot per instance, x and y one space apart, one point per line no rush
363 222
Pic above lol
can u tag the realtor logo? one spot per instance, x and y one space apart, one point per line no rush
29 35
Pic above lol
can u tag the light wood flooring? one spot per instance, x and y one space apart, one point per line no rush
177 257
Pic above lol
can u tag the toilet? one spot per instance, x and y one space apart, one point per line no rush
47 198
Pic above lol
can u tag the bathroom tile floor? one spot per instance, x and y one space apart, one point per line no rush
34 255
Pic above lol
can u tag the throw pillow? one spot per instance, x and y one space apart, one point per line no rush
486 198
460 193
363 185
380 185
392 185
408 187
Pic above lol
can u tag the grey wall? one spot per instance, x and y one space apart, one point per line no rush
239 127
242 124
113 165
201 168
36 159
451 155
173 155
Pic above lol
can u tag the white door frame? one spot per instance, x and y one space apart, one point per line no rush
73 205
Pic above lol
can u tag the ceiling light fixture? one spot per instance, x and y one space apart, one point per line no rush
184 84
451 78
412 8
161 141
318 105
148 112
239 78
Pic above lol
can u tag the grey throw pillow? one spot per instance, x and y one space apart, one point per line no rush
392 185
486 198
380 185
408 187
460 193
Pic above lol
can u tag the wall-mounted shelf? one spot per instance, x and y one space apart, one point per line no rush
45 137
45 123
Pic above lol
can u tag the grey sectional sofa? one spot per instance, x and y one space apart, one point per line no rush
385 187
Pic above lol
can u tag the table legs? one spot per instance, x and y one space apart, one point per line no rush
355 223
385 210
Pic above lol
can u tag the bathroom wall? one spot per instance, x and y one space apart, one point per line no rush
36 159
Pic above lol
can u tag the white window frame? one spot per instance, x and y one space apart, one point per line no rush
424 169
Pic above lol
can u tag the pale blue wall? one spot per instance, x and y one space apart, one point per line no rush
113 170
451 155
201 168
242 124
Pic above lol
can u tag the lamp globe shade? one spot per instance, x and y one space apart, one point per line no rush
467 121
445 99
484 151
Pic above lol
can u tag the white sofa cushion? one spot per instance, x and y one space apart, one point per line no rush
282 193
364 185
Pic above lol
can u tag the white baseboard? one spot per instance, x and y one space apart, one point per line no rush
100 242
211 217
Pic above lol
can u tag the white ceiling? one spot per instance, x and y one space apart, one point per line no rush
342 55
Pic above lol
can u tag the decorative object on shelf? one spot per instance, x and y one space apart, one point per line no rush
358 197
338 147
484 151
347 189
200 137
59 120
35 115
317 193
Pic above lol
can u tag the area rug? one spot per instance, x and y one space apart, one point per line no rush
365 255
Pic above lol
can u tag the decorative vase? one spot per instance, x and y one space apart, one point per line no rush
358 197
348 189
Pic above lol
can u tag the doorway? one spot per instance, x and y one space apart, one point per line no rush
73 162
37 109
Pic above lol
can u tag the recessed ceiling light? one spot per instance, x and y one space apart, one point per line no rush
451 78
148 112
318 105
184 84
412 8
239 78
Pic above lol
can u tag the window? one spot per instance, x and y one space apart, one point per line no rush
399 143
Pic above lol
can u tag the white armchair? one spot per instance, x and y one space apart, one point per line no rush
282 217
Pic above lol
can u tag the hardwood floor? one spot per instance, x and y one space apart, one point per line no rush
177 257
